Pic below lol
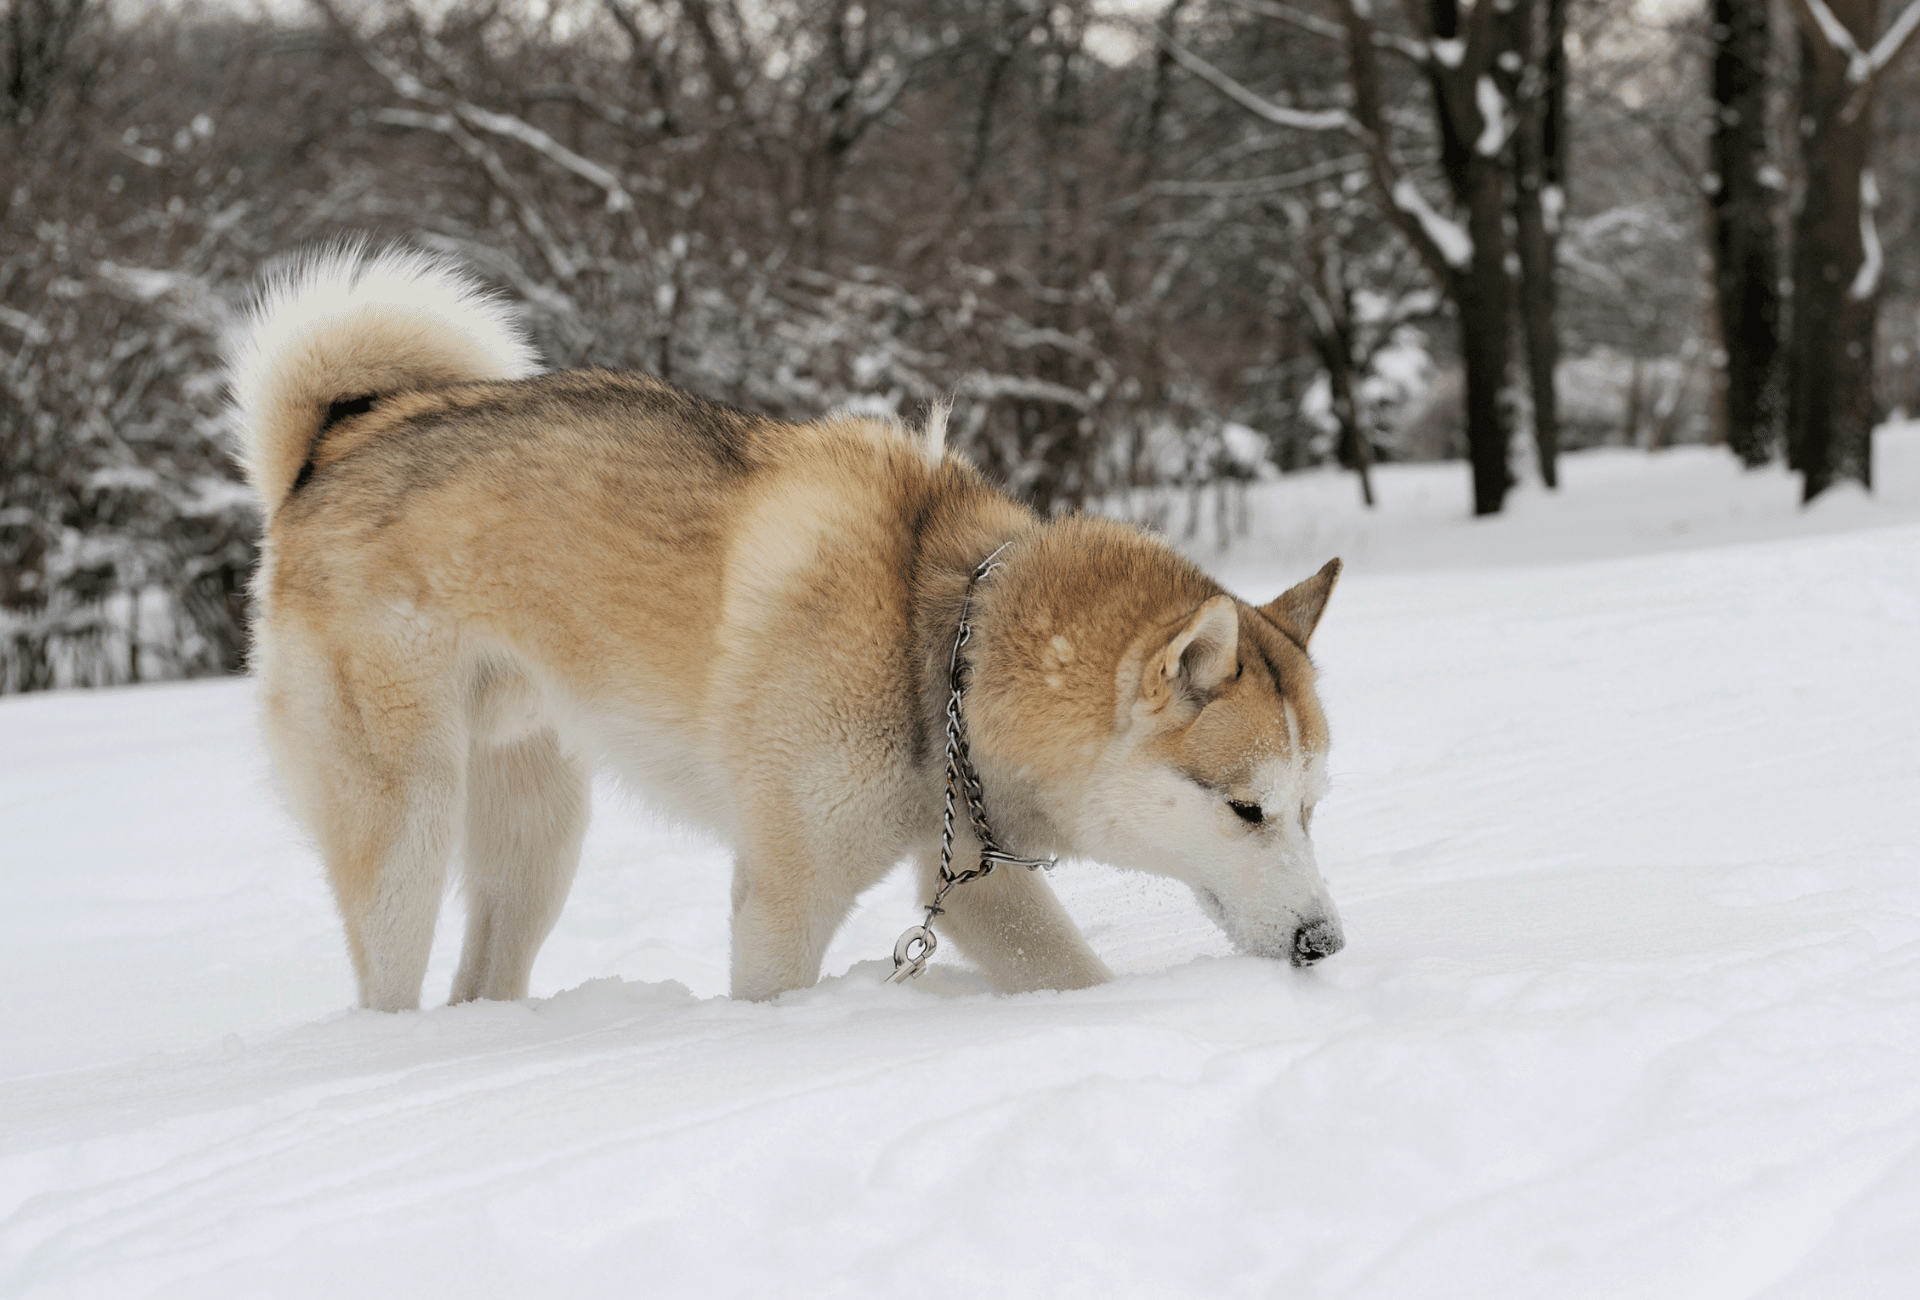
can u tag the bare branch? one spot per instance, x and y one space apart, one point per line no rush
535 224
1261 185
1392 42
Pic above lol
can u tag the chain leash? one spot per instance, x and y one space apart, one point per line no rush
913 949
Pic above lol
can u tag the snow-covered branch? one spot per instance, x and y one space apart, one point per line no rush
1888 47
1867 279
536 226
1260 185
410 87
982 386
1493 117
27 326
540 142
1833 34
1450 237
1328 119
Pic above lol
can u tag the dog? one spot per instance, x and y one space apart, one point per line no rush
480 581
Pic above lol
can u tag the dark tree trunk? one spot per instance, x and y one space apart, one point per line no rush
1539 198
1477 281
1745 247
1330 311
1482 291
1483 295
1830 358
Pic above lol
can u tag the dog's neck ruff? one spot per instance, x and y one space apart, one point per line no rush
911 952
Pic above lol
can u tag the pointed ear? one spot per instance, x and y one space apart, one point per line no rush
1296 611
1203 654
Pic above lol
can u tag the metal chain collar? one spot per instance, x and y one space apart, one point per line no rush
911 952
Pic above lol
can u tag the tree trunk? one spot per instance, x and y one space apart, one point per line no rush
1336 353
1539 198
1636 389
1745 248
1477 282
1483 295
1830 361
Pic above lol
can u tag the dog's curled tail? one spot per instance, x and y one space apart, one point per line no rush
341 329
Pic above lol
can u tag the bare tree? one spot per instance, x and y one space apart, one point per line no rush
1742 190
1837 257
1536 77
1459 57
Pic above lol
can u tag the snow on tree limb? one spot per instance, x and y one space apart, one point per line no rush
1452 239
1493 116
1862 65
447 124
410 87
618 200
1328 119
1256 185
1834 34
981 386
1867 279
1888 47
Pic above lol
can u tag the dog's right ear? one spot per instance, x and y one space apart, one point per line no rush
1296 611
1202 655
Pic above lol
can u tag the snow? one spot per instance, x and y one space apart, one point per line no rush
1553 205
1615 502
1866 281
1894 39
1455 244
1493 117
1626 833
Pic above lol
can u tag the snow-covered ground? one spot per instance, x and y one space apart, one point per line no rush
1626 832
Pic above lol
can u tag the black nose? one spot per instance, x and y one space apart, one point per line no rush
1312 942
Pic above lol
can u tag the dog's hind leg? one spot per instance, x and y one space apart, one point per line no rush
1011 924
527 807
374 756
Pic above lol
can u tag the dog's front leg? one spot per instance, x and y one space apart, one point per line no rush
1013 926
787 903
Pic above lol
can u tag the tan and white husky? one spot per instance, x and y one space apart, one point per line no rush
481 581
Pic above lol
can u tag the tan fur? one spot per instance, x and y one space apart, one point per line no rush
484 589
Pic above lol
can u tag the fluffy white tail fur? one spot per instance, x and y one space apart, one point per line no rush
343 324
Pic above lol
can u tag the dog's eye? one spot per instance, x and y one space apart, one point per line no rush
1250 813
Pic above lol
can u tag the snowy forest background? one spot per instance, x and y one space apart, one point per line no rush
1152 249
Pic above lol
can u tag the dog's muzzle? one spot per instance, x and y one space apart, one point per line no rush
1312 942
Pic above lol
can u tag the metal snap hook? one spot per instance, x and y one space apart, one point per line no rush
910 953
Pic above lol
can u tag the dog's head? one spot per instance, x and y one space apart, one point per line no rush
1207 762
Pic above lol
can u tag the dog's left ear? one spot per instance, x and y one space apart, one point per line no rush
1202 654
1296 611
